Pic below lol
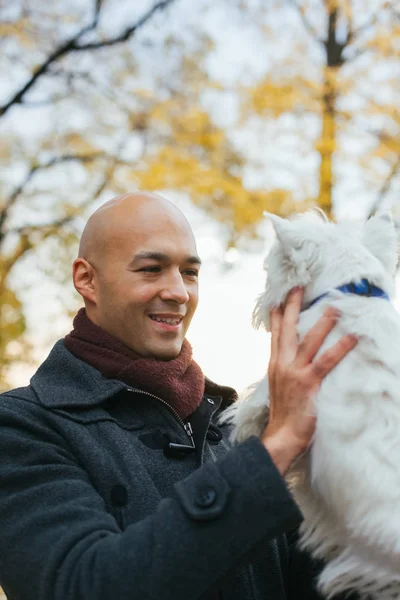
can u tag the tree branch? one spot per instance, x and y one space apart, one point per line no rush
48 229
306 22
45 228
334 49
72 45
395 12
23 246
58 53
123 37
34 169
385 187
354 33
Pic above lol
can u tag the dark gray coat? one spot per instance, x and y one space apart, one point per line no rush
95 505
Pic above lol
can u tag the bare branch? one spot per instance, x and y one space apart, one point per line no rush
306 22
395 11
354 33
73 45
34 169
23 246
334 49
48 229
97 10
356 54
123 37
385 187
112 162
58 53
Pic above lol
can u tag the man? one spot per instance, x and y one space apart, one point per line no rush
115 481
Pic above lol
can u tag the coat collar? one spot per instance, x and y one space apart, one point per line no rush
65 381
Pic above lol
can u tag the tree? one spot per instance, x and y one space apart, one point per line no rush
104 96
106 127
330 75
32 211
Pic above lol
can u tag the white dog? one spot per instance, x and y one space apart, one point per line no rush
348 483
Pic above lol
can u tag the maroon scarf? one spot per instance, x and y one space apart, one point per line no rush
179 381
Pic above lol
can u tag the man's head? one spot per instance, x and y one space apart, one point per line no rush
137 272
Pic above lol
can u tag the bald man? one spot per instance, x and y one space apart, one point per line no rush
137 272
116 481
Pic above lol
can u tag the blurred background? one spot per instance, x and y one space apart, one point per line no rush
228 107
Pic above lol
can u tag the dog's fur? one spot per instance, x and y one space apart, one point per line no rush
348 483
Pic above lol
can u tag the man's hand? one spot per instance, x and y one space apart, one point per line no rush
294 379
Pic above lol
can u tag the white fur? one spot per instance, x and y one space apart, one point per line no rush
348 483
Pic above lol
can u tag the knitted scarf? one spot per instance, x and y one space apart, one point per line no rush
179 381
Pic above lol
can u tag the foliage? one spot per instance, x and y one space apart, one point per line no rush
352 48
107 96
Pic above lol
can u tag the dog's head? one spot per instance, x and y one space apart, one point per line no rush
312 252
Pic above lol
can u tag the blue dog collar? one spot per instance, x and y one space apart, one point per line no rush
363 288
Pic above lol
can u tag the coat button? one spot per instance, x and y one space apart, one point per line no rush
119 495
206 498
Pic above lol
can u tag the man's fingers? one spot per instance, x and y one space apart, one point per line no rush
329 359
275 320
288 337
313 340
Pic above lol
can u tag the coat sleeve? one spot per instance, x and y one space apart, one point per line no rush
58 542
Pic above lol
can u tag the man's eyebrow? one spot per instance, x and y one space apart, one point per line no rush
193 260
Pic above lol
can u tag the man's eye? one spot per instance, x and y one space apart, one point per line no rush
191 272
154 269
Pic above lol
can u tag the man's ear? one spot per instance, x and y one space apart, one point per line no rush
380 237
83 275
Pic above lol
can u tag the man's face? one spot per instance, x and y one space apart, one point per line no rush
147 285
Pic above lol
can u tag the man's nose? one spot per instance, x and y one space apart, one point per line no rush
175 289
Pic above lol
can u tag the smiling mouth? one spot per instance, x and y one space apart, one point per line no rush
166 320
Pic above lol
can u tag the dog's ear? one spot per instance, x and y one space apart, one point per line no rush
287 265
380 237
285 233
295 247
